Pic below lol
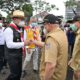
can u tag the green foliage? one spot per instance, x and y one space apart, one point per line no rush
28 9
40 6
70 3
11 5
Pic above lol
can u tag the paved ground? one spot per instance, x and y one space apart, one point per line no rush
30 74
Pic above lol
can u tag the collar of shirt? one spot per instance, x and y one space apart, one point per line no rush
78 32
54 30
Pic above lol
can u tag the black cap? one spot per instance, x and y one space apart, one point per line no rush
50 18
76 18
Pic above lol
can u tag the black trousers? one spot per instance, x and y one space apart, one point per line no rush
15 65
69 73
1 56
70 48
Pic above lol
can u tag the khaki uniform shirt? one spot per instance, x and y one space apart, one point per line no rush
55 50
75 64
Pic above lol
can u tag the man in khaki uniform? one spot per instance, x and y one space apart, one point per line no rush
53 65
75 61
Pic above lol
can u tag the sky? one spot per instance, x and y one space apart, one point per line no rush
4 14
59 4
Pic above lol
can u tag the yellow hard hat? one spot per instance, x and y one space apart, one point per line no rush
18 13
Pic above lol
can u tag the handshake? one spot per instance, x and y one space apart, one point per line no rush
37 43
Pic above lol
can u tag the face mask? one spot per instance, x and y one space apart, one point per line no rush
33 24
21 24
73 27
1 24
45 31
66 28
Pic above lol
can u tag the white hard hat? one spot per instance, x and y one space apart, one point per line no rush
18 13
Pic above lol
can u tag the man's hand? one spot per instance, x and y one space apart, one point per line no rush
27 42
37 43
70 62
49 70
77 74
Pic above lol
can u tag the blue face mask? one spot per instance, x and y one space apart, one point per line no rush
34 24
73 27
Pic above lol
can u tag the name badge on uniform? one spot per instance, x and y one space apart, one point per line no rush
47 45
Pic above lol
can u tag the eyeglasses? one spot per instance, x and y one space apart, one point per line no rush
19 18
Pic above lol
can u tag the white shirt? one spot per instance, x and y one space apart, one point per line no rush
2 36
25 35
8 35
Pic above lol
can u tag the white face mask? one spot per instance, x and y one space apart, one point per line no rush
21 24
45 31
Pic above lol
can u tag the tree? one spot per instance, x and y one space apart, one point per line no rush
28 9
40 6
72 4
10 5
